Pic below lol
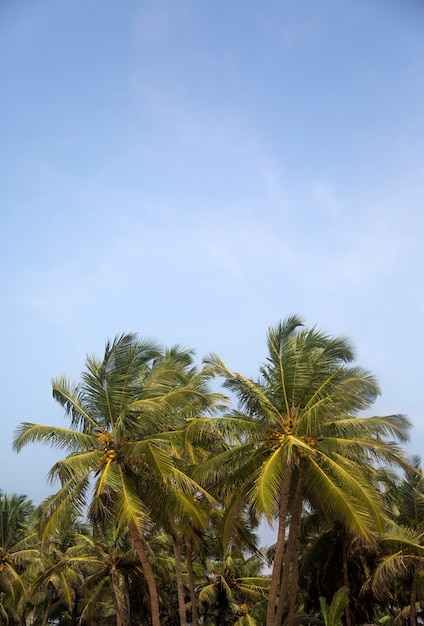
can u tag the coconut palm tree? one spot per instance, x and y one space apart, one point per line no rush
124 416
332 558
401 568
110 565
16 512
298 438
54 581
233 586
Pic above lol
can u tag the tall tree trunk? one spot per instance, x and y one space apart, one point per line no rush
279 549
297 525
179 576
191 584
292 552
348 613
413 597
148 572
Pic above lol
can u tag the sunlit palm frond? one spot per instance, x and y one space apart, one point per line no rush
268 484
339 501
61 438
77 465
129 507
67 501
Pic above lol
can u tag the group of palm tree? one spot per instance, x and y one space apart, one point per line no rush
159 498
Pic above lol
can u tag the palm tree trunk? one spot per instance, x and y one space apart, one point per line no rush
294 579
348 614
279 549
297 528
292 554
193 596
179 578
413 598
148 573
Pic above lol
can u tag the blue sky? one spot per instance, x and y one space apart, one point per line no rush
195 171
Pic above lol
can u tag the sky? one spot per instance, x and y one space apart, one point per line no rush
196 171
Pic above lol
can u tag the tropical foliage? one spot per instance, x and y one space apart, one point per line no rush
162 485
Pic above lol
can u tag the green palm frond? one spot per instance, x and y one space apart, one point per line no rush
233 428
391 569
395 426
208 593
404 538
66 502
158 460
339 500
61 438
268 484
253 587
110 479
233 508
332 615
251 395
190 507
95 597
228 468
353 481
129 507
75 466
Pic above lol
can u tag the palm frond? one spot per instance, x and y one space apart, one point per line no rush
268 484
61 438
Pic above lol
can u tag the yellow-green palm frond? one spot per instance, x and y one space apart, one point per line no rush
208 594
66 502
391 568
61 438
251 395
234 506
233 428
395 427
341 493
189 506
71 397
76 466
128 505
182 483
332 614
110 478
229 469
91 601
401 537
267 486
151 456
355 481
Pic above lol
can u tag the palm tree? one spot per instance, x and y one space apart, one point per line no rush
234 585
16 512
54 579
110 566
298 439
332 558
402 544
126 415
